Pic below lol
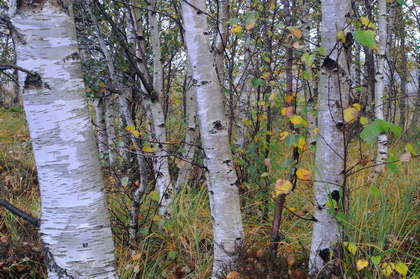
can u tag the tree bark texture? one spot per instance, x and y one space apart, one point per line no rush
330 152
221 176
75 227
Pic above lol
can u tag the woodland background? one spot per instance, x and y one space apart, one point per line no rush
268 56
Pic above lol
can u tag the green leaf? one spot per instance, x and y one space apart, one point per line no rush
397 130
393 167
411 149
341 217
374 191
308 59
124 181
172 255
257 82
306 75
155 196
376 260
320 50
371 132
366 38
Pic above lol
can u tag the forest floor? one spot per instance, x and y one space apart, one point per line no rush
382 226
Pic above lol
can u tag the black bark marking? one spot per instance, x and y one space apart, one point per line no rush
329 64
33 81
74 56
335 195
52 265
324 254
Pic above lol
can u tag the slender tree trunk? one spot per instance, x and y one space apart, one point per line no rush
158 127
221 37
244 89
330 152
402 100
75 227
221 176
382 140
191 131
100 124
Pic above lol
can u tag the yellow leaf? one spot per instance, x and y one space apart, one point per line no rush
331 203
148 148
289 98
283 135
363 121
387 268
236 29
136 257
366 22
267 59
350 114
156 218
88 89
361 264
265 75
315 131
302 144
341 36
296 32
357 106
401 268
297 119
352 247
131 129
247 122
282 186
304 175
101 84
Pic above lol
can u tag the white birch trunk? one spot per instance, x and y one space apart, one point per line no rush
158 131
309 96
191 131
244 89
382 140
75 227
110 128
221 176
221 37
98 103
330 151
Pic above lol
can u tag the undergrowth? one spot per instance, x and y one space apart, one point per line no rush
383 221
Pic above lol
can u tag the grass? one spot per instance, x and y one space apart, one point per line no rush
383 222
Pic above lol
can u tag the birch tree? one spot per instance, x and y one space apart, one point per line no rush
221 176
382 140
330 153
75 228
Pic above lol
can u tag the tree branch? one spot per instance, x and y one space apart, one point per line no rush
16 211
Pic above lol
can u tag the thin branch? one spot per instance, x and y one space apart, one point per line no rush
16 211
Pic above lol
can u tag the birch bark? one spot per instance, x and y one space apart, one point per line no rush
221 176
75 227
158 127
330 152
382 140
